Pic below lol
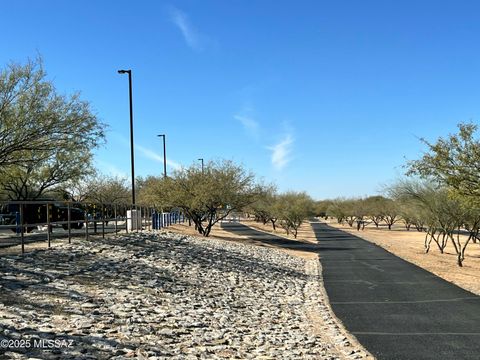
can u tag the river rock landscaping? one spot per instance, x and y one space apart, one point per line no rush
166 296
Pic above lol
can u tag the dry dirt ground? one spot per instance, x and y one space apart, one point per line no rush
409 245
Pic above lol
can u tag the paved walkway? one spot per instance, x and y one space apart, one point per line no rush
395 309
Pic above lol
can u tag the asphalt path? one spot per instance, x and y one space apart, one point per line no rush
395 309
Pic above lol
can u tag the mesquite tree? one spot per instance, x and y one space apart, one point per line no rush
295 208
46 139
209 195
453 161
443 213
265 207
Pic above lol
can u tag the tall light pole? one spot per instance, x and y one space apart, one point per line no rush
129 72
164 156
201 159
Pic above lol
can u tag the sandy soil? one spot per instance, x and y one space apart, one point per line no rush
409 245
305 232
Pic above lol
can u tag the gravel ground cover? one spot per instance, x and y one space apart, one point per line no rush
166 296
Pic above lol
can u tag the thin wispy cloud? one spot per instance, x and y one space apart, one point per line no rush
150 154
281 152
249 124
111 170
156 157
191 35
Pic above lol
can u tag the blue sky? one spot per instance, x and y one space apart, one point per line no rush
329 97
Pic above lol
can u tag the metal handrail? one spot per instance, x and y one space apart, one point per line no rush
93 214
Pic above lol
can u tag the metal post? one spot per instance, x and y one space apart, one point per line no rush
147 219
131 135
21 231
164 156
126 218
69 218
103 221
48 224
95 219
136 219
129 72
115 214
86 225
139 209
150 226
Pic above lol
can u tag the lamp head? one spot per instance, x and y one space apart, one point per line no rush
123 71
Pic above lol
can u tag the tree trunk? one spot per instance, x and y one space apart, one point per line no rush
427 243
459 260
273 224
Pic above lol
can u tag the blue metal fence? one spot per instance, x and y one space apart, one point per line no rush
164 219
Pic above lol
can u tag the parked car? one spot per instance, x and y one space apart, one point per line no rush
36 213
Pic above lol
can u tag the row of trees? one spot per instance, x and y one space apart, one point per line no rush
448 197
289 210
47 141
447 217
46 150
374 209
425 205
222 188
205 197
440 197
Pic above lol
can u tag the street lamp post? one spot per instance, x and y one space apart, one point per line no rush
129 72
201 159
164 156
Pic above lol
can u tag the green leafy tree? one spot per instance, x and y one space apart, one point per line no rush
46 139
209 196
155 191
453 161
349 211
374 206
390 212
322 207
108 190
338 208
294 209
265 206
360 211
444 214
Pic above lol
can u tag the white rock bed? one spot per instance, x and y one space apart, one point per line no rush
167 296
